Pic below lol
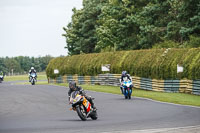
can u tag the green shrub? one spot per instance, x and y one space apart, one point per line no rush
153 63
194 42
167 44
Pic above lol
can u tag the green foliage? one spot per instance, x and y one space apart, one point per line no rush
81 34
190 17
193 42
23 64
116 25
155 63
12 64
167 44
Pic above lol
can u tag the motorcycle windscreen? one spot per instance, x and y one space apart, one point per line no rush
33 74
74 93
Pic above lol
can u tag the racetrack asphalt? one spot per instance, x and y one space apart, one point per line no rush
45 109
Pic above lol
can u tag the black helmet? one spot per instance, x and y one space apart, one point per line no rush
124 73
72 85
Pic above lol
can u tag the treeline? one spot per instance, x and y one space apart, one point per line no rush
153 63
113 25
22 64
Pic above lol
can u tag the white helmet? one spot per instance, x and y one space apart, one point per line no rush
32 68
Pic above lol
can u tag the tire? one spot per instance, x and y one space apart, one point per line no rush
79 111
129 94
0 80
125 94
94 115
33 83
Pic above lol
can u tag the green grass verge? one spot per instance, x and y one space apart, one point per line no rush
41 76
177 98
28 83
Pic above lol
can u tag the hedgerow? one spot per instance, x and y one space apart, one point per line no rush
152 63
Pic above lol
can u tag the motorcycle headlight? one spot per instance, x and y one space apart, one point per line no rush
74 100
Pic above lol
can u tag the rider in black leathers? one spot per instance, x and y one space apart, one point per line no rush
74 87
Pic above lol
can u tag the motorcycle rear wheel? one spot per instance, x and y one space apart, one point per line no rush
94 115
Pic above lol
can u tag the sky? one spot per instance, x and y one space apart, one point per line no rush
34 27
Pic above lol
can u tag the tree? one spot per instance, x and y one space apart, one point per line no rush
119 27
23 64
131 24
190 17
12 65
81 34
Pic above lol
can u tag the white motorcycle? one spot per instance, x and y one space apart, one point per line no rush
33 78
1 78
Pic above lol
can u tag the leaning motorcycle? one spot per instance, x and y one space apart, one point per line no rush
82 106
33 78
1 78
127 90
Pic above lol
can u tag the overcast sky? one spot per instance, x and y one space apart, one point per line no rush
34 27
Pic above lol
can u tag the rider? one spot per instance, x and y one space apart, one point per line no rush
32 70
74 87
125 76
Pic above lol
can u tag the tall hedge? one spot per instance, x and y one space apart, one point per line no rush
153 63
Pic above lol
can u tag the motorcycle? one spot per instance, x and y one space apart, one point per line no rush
127 91
33 78
82 106
1 78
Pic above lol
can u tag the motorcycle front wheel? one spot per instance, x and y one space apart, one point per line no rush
33 82
126 93
129 94
81 112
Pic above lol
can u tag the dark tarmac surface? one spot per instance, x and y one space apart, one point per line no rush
45 109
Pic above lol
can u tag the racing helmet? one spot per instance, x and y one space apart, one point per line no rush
124 73
72 85
32 68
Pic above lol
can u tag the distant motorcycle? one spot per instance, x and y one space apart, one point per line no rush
1 78
33 78
82 106
127 91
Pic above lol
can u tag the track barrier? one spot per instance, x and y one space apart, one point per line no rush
182 86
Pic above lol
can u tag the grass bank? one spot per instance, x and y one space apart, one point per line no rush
41 76
177 98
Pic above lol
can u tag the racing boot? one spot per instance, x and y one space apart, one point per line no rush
92 103
122 90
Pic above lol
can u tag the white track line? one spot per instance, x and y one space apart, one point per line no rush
165 130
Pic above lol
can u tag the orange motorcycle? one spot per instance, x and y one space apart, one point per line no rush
82 106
